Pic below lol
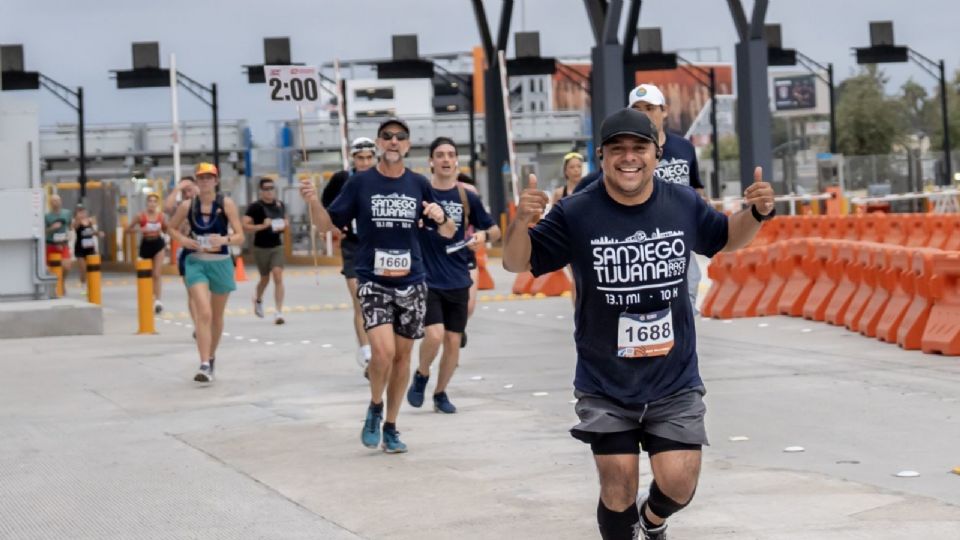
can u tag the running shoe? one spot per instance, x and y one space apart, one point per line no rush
204 374
441 404
418 388
277 317
392 443
463 339
258 307
371 428
157 307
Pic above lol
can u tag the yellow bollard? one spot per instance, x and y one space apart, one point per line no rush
145 296
94 295
55 265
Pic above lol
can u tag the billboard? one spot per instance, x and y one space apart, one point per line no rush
795 93
685 96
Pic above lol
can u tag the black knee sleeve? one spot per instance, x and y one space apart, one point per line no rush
617 525
663 506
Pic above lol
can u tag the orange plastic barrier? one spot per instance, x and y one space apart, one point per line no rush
942 333
873 227
910 333
770 232
827 276
523 284
552 284
799 282
884 281
918 230
723 291
850 275
901 295
865 287
753 273
850 228
897 229
952 242
941 228
831 227
777 272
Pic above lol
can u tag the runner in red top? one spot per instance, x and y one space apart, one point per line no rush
152 227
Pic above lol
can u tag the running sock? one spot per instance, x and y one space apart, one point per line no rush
376 407
389 426
647 524
617 525
365 349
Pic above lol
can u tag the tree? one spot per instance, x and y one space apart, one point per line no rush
868 122
729 148
953 112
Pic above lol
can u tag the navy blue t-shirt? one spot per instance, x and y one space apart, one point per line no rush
388 212
450 271
635 334
678 165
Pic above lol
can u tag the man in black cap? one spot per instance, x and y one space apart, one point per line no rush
389 203
629 239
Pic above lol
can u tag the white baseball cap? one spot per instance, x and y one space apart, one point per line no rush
647 93
362 143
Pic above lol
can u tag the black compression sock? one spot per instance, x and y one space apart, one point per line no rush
617 525
389 426
376 407
647 524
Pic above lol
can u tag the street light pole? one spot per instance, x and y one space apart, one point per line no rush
714 135
216 131
833 110
946 125
83 148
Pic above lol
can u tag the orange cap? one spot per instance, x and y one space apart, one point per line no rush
206 168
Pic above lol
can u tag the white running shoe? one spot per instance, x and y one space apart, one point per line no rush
278 318
157 307
258 307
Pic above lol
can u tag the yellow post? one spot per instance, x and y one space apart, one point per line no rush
55 265
145 296
94 295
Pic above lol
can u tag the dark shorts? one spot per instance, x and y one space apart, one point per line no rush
402 307
448 307
348 251
672 423
81 253
268 258
149 247
471 260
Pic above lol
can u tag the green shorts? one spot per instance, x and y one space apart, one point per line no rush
216 273
268 258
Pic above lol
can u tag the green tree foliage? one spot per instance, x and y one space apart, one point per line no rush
869 122
953 112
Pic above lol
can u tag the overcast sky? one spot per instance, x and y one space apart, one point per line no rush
78 41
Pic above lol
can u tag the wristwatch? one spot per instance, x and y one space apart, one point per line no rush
760 217
444 219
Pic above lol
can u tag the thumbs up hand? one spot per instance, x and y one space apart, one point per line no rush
759 194
532 202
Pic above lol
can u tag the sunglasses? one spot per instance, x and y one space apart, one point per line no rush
267 188
399 135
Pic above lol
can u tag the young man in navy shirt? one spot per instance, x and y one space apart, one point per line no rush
448 275
388 203
677 164
629 239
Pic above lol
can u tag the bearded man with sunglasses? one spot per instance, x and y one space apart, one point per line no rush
389 203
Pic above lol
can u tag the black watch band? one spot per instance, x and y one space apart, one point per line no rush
444 219
760 217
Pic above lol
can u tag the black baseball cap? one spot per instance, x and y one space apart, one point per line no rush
628 122
393 120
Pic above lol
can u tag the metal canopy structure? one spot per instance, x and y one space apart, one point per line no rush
753 109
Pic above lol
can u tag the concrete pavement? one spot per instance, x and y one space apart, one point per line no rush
107 437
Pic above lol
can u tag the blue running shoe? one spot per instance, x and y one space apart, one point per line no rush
417 389
441 403
371 428
392 443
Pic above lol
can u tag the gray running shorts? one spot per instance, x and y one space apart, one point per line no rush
677 418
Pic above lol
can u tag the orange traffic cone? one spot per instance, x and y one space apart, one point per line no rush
553 284
239 274
523 284
484 279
